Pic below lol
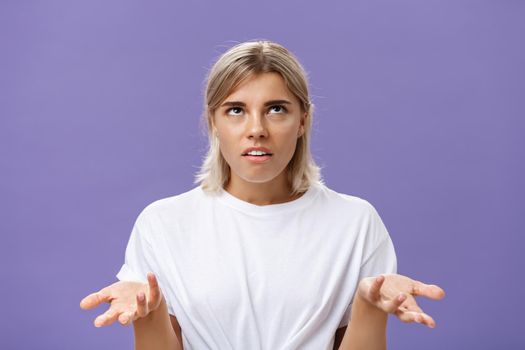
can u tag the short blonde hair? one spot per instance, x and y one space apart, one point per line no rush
231 69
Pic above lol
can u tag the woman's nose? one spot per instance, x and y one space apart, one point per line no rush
256 126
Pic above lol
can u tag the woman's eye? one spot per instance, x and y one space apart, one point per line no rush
277 109
234 111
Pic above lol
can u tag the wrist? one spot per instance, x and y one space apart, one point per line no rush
367 327
155 331
362 309
157 314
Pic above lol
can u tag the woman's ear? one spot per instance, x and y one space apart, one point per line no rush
301 126
211 121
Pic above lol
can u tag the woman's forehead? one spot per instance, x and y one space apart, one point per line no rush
261 88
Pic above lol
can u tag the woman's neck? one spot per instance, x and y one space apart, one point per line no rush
275 191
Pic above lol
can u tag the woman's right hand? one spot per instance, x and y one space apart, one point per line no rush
128 301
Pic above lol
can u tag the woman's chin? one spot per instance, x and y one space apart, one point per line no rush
259 179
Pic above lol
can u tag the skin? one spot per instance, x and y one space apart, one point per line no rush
250 117
379 296
141 304
145 297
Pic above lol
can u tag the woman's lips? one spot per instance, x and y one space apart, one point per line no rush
259 148
257 159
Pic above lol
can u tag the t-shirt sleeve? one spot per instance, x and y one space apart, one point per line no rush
379 256
139 257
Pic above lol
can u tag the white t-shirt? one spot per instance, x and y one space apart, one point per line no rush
242 276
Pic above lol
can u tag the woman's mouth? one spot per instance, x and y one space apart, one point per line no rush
257 156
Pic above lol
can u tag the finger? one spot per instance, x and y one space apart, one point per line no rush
375 288
107 318
415 317
95 299
154 290
410 304
126 318
142 307
394 304
410 307
428 290
425 319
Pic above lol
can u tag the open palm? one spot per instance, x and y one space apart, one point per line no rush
128 301
396 294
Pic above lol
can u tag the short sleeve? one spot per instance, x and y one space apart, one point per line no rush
379 256
139 257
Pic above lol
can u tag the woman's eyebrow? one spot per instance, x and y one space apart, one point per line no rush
277 102
268 103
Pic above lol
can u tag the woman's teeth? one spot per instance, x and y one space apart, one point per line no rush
256 153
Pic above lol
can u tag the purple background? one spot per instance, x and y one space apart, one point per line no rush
420 108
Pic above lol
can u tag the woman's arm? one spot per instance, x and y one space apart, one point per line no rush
155 331
140 303
376 297
367 328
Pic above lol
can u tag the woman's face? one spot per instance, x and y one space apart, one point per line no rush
264 117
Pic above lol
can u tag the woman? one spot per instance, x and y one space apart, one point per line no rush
261 255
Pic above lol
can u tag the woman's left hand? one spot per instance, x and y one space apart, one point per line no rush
396 294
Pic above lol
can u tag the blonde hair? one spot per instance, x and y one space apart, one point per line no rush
231 69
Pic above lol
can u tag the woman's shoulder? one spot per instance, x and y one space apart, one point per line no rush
345 201
175 204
